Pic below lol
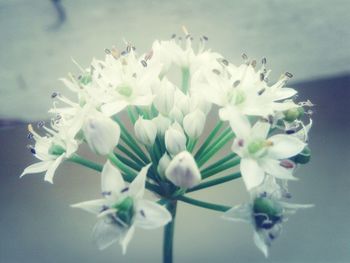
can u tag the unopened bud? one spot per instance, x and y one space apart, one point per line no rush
145 131
162 123
175 139
101 133
183 171
293 114
164 99
194 124
163 164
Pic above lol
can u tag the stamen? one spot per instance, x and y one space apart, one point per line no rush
245 57
236 83
270 119
260 92
288 74
253 63
142 213
124 190
106 193
144 63
263 61
205 38
149 55
216 71
262 76
40 124
184 29
241 143
290 131
31 149
30 135
107 51
225 62
287 164
54 94
173 36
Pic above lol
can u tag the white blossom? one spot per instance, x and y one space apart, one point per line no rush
145 131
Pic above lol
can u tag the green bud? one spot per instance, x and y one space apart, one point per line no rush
303 157
293 114
267 212
257 145
240 97
56 149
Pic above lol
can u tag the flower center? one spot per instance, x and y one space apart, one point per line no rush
56 149
125 210
258 147
124 90
266 212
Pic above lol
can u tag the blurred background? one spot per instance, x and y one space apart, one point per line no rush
310 39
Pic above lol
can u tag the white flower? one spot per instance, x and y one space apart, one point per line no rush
183 171
266 215
51 149
145 131
123 208
122 81
101 133
175 139
243 89
260 154
193 124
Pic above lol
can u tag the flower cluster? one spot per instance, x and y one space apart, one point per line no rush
164 151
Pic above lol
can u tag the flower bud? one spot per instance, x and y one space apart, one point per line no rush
164 99
101 133
176 115
145 131
162 123
163 164
175 139
183 171
194 124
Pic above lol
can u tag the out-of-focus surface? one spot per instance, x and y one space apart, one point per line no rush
37 225
308 38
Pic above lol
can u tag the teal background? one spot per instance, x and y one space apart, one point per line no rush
310 39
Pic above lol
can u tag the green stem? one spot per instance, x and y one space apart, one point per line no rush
80 160
131 155
129 173
217 145
168 242
219 162
129 162
208 140
220 168
131 115
214 182
191 144
216 207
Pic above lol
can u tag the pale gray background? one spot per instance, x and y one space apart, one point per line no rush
307 38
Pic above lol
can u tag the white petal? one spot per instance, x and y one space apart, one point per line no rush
260 243
260 130
105 233
238 122
285 146
114 107
111 179
137 186
36 168
252 174
151 215
51 171
274 168
93 206
124 241
239 213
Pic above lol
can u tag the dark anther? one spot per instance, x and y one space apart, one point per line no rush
205 38
289 75
128 48
134 75
240 143
225 62
54 94
262 76
133 48
236 83
123 53
180 38
40 124
31 149
142 213
173 36
149 55
290 131
188 36
271 236
30 135
263 61
124 190
144 63
287 164
270 119
260 92
244 56
106 193
107 51
216 71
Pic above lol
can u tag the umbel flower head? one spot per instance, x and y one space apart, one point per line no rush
150 130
